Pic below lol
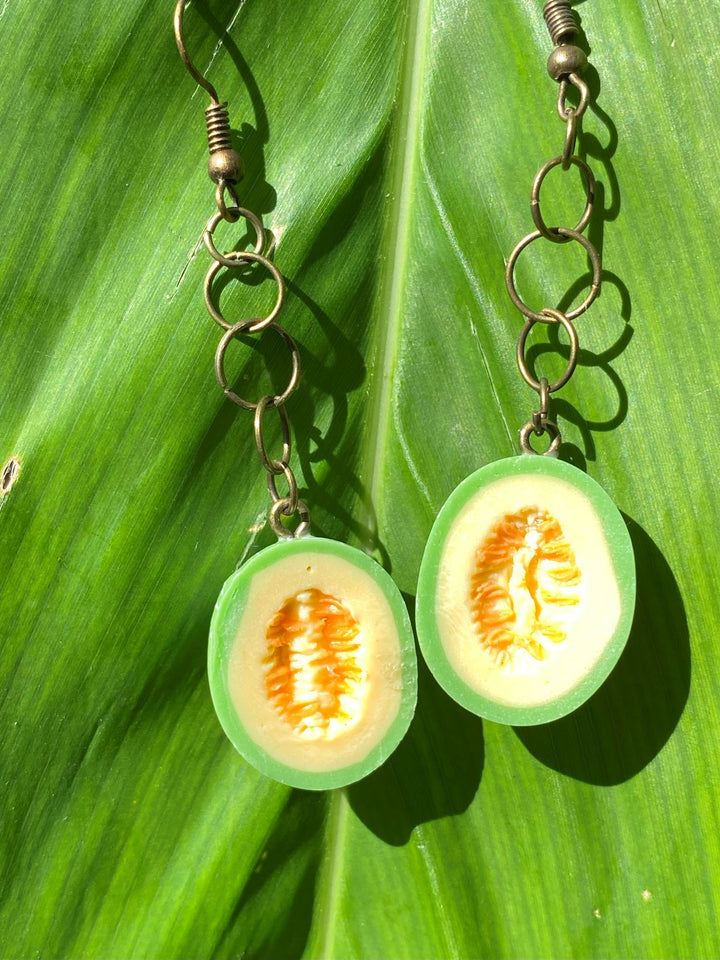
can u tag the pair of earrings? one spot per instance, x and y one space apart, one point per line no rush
526 588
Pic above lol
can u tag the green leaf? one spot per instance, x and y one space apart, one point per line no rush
390 148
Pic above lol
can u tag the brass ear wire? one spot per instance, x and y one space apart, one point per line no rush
225 166
192 69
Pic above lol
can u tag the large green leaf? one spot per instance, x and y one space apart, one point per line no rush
390 147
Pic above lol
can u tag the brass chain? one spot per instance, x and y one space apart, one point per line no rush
225 169
565 65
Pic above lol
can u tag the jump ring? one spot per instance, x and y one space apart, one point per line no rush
558 317
565 112
292 495
235 260
281 508
550 233
225 259
570 138
247 326
596 274
272 466
231 214
548 427
544 392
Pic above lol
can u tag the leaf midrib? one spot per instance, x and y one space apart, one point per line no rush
403 168
387 317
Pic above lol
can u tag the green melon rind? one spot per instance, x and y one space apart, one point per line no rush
223 631
622 559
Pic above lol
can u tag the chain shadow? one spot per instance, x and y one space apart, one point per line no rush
327 454
323 455
626 723
325 466
607 205
600 360
607 208
435 772
329 480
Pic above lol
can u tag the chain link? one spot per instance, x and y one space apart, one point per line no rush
227 260
564 65
553 316
237 260
225 168
290 504
272 466
246 327
551 233
568 234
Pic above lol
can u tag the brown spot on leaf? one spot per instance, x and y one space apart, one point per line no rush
8 476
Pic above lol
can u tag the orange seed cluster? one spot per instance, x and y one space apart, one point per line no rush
530 540
312 660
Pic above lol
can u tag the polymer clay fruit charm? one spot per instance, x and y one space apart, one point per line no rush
526 590
527 585
311 659
312 663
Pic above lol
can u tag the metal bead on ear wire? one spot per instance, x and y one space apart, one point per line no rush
311 658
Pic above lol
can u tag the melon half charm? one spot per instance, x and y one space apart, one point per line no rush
312 663
526 591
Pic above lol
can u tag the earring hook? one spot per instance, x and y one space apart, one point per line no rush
192 69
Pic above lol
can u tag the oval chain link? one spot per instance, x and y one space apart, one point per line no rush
272 466
540 422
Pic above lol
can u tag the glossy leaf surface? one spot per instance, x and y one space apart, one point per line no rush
390 148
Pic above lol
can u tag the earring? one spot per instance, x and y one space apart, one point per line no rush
527 585
311 659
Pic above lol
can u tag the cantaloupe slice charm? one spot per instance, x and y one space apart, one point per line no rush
311 659
526 590
312 663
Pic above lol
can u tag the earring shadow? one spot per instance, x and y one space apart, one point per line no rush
625 724
601 360
296 835
435 772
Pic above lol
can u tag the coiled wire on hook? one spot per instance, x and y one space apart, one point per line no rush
559 20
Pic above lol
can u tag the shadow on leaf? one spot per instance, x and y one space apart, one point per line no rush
625 724
434 773
275 911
